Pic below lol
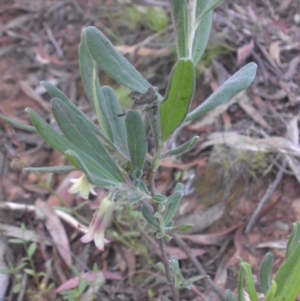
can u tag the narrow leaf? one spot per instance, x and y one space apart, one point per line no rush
202 32
182 148
149 217
249 281
78 133
18 125
61 144
93 178
88 71
51 169
114 124
211 5
241 80
174 200
272 292
154 121
137 143
293 240
176 103
179 19
112 62
31 249
241 296
288 277
229 296
54 91
265 273
191 280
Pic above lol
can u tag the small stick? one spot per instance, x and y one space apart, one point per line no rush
266 197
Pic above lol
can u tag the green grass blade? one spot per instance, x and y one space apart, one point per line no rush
18 125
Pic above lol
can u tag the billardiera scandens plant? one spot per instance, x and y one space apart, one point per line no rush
113 153
82 186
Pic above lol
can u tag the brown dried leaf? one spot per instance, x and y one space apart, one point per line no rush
56 230
274 51
244 52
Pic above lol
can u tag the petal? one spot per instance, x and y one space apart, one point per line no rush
87 237
99 239
92 191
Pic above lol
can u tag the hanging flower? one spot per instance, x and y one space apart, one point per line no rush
82 186
99 223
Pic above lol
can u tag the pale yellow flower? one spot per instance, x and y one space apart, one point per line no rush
82 186
99 223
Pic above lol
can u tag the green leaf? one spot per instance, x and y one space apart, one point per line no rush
61 144
265 273
161 279
202 32
174 201
241 296
229 296
293 240
288 277
16 241
5 272
187 283
29 272
17 124
94 179
137 143
50 169
179 19
159 198
211 5
149 217
184 228
182 148
17 288
31 249
114 124
54 91
21 266
249 281
176 103
160 266
112 62
241 80
271 293
78 133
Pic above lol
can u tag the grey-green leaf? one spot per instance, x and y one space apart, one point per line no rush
182 148
249 281
54 91
294 239
61 144
202 32
179 19
114 123
241 80
149 217
78 133
265 273
137 144
229 296
92 177
211 5
112 62
176 103
17 124
50 169
174 201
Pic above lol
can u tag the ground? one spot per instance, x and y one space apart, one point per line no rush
245 148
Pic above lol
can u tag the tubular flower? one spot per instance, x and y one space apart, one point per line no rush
82 186
99 223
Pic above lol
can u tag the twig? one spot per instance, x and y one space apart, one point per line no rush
186 249
31 208
266 197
